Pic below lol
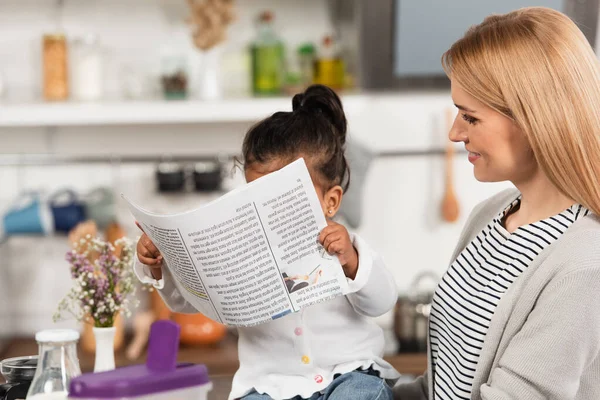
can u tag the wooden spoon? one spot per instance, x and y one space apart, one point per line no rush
450 207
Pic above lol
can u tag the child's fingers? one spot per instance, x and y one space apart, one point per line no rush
328 230
148 248
149 260
336 247
139 226
333 237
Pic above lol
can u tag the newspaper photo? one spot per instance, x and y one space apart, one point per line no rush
252 255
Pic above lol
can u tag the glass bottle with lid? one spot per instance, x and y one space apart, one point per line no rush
57 364
267 58
329 66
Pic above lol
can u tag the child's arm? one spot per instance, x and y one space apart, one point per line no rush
150 268
373 290
165 287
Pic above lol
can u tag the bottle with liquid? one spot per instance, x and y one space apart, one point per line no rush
306 61
57 364
330 69
267 58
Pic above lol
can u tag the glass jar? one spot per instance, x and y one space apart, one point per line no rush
86 69
55 75
57 364
174 76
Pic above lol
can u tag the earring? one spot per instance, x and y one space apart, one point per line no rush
330 211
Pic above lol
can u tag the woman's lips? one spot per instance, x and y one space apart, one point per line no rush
474 156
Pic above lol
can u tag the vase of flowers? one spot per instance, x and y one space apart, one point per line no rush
103 283
208 21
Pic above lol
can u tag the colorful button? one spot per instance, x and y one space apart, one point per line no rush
298 331
318 379
305 359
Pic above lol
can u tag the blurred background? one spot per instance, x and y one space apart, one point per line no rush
151 98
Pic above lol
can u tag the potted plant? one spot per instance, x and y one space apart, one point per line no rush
103 288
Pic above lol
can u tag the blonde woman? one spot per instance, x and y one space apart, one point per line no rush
517 314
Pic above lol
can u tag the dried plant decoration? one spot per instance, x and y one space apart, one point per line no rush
209 20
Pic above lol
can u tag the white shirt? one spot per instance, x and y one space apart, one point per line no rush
468 294
301 353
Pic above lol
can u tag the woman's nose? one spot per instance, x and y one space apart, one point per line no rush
456 133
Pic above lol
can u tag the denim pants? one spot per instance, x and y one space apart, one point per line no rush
355 385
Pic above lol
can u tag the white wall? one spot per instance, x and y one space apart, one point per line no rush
402 195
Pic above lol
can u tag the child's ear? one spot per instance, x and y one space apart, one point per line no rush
332 201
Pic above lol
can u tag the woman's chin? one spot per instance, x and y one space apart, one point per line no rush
485 175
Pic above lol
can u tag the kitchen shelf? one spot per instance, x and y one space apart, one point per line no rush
43 114
138 112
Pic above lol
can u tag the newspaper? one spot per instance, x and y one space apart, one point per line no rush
252 255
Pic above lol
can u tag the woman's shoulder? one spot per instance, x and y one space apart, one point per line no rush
579 246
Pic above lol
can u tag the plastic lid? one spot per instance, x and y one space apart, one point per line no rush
160 374
57 335
169 167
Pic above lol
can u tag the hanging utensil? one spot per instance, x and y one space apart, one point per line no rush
450 207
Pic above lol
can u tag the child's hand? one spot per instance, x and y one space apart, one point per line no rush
336 240
149 254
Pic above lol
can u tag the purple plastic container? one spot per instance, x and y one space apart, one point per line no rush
160 374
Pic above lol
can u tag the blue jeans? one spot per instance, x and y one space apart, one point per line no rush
355 385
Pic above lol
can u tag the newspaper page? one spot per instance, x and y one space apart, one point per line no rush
252 255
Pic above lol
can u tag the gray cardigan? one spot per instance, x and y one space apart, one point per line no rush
544 338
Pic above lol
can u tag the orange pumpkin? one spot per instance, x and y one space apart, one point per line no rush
197 329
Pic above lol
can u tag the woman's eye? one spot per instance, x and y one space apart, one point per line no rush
470 120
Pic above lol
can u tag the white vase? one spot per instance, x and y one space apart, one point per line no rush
105 349
209 84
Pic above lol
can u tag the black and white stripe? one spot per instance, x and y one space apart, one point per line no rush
469 292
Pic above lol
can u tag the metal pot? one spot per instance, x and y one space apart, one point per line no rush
411 315
207 176
18 373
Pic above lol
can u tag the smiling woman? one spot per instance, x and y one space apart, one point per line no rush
531 78
524 279
497 147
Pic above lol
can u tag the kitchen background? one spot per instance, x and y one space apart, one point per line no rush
124 128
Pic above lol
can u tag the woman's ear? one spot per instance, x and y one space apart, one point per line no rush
332 200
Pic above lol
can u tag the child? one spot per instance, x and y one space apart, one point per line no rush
331 350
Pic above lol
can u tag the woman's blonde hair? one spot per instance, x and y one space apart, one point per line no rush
534 66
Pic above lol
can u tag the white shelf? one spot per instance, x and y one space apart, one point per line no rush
41 114
138 112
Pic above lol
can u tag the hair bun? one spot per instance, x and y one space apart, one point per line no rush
297 101
319 99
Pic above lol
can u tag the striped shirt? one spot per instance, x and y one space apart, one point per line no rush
467 296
